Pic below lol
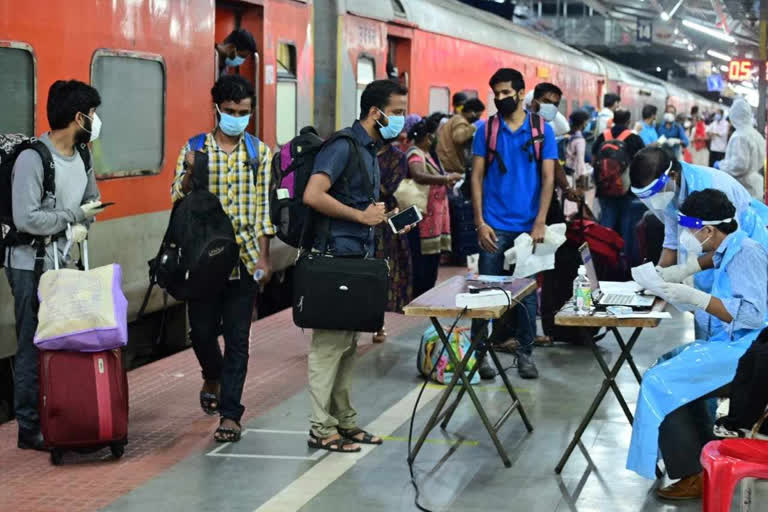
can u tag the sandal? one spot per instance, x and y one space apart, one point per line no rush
380 337
209 403
350 434
228 435
337 445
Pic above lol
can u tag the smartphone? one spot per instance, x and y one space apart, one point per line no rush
104 205
404 219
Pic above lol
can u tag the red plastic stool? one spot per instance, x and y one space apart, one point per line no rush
725 463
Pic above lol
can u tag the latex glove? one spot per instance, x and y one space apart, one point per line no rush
683 294
716 165
673 141
678 273
92 209
78 233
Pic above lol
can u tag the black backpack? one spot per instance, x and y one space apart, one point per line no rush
612 165
291 169
11 146
199 250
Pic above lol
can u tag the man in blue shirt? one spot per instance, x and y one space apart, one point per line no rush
673 131
648 133
344 198
511 196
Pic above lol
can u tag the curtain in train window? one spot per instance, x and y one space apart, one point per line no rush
286 93
366 73
132 90
439 100
17 91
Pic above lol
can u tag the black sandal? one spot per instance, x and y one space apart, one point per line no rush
350 434
209 403
228 435
337 445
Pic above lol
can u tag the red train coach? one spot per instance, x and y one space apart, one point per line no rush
153 61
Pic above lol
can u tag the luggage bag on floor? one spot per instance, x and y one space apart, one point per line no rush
83 401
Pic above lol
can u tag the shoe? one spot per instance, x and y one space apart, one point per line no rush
32 441
486 371
686 489
526 368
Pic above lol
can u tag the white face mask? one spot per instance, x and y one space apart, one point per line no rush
669 117
691 245
548 111
95 127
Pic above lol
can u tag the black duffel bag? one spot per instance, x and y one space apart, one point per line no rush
347 294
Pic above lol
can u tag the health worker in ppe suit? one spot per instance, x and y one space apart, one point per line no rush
673 408
663 183
745 153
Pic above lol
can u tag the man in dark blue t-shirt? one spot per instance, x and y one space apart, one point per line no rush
510 200
345 198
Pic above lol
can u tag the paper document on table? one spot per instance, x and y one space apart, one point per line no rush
647 277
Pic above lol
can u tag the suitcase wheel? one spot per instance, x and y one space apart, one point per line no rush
56 457
117 450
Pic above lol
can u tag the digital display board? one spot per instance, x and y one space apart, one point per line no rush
739 70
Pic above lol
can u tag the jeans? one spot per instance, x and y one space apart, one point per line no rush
622 215
425 266
229 312
520 322
26 379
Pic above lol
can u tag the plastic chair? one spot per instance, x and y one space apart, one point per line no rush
728 461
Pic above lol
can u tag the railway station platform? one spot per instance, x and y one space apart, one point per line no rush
172 463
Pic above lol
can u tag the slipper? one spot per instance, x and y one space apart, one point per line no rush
209 403
337 445
351 433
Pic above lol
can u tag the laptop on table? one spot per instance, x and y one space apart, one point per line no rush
610 299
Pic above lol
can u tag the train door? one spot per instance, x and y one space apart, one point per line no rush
399 60
600 94
234 15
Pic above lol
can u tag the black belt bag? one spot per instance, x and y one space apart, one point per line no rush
339 293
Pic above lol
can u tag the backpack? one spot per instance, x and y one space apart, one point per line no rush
11 146
492 130
433 362
612 165
291 169
199 250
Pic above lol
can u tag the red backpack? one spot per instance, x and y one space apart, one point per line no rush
492 129
612 165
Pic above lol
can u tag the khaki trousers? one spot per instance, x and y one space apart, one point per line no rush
331 361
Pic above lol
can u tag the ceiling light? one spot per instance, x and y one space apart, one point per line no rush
677 30
658 69
665 16
723 68
690 47
719 55
719 34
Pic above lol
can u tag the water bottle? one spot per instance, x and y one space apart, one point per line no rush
582 292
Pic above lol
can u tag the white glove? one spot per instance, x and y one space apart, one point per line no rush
92 209
78 234
673 141
678 273
683 294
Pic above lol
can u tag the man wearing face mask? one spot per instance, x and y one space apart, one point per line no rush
343 197
74 122
672 131
672 413
611 103
511 193
235 49
455 136
663 183
718 137
238 174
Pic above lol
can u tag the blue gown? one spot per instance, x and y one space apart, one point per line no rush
690 371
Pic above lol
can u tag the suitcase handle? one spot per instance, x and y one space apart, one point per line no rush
83 254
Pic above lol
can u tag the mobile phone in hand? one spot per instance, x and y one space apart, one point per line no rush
405 218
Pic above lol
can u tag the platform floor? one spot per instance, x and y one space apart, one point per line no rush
172 463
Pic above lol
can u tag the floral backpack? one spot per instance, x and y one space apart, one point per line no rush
430 357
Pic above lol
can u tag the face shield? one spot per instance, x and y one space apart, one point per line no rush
691 226
659 196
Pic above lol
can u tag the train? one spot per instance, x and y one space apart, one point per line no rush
154 63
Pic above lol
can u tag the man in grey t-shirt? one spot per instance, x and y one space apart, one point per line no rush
73 120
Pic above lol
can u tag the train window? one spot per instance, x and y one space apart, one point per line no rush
286 93
439 99
17 89
132 89
366 73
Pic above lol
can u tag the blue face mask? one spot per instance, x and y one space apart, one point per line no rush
231 125
233 63
393 129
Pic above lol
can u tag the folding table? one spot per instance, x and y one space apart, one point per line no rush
568 317
440 302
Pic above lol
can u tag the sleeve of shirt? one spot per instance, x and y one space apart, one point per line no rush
549 146
332 159
176 187
748 273
462 132
735 161
264 226
478 143
670 232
